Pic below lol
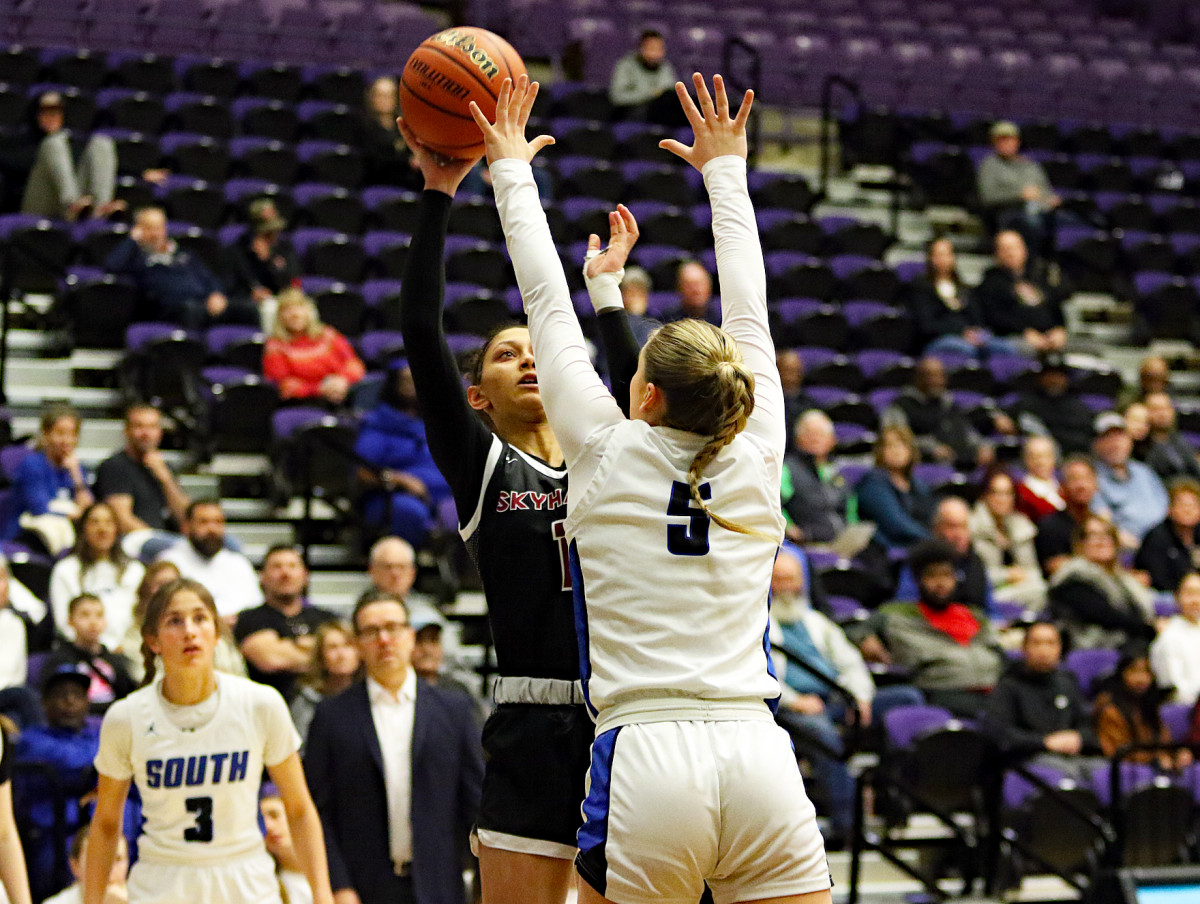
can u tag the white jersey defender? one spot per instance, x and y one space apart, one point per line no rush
690 779
199 783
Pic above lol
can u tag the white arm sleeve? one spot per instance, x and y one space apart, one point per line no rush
743 278
280 738
577 403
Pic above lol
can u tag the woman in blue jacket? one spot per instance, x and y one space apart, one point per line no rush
392 438
900 505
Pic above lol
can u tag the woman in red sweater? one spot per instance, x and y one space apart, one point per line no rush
305 358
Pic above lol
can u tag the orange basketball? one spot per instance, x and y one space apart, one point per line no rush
446 73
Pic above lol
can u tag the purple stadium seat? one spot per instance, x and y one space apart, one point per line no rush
287 421
138 335
902 724
1091 665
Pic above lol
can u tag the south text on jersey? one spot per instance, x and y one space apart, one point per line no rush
205 768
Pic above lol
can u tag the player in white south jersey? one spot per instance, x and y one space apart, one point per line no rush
673 520
196 743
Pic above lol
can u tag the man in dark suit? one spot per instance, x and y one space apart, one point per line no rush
395 766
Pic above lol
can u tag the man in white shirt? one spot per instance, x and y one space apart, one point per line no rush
395 766
201 556
1175 653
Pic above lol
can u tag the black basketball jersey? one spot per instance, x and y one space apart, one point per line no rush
516 538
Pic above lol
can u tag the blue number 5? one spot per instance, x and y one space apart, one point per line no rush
689 539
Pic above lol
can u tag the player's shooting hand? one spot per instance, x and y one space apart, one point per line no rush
441 173
505 137
715 132
622 236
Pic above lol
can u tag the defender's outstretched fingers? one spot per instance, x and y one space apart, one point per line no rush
489 131
690 109
628 219
706 101
743 112
721 97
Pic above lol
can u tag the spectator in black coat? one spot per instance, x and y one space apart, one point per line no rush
1052 410
387 158
1018 300
1168 452
1053 541
179 286
944 432
1037 709
1172 549
262 261
945 312
791 375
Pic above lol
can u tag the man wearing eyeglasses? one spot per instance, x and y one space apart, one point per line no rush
277 638
395 766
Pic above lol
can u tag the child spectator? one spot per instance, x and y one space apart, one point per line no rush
305 358
68 744
106 671
293 884
116 892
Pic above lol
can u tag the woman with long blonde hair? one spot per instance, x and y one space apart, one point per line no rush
306 358
673 523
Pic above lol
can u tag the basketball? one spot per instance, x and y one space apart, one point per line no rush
443 75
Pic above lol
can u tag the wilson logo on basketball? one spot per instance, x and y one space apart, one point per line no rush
466 43
425 71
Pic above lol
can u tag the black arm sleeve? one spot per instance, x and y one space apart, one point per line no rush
621 351
458 440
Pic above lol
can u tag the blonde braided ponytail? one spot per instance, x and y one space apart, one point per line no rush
709 390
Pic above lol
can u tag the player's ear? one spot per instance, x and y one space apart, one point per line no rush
477 400
653 405
151 641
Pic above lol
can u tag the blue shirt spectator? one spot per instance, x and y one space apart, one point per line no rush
1130 489
899 504
50 480
392 438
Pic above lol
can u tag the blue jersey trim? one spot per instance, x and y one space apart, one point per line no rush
594 830
773 702
581 624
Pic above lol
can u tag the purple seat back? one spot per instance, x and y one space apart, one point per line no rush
1091 665
1177 717
138 335
286 421
902 724
218 338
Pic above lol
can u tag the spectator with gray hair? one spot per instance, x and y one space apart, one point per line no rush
635 295
815 495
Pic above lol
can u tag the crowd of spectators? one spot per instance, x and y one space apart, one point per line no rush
1071 545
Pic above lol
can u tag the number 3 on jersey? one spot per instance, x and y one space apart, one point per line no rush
203 829
689 539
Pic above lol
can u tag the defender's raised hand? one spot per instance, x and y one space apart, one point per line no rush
715 132
505 137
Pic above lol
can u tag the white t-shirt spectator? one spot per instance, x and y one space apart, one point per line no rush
1175 658
118 592
228 575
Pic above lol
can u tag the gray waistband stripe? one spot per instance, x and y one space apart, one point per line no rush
543 691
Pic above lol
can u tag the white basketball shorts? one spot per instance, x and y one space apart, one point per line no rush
671 805
235 881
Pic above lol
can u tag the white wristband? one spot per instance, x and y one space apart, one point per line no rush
604 289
